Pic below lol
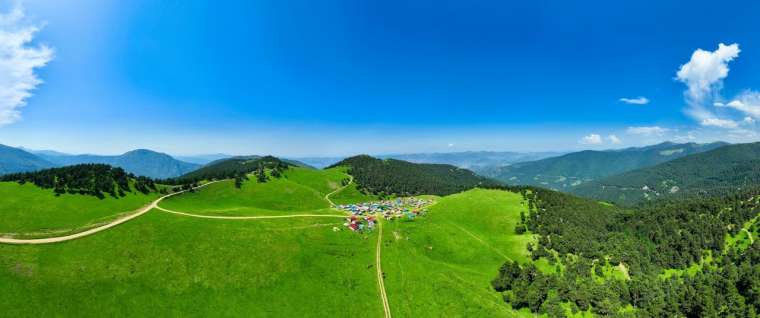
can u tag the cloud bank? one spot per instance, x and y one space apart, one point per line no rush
647 130
18 62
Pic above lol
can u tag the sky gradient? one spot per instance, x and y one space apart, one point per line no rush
305 78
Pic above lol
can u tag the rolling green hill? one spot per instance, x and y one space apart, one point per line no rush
297 190
232 167
70 199
396 177
14 160
566 172
718 172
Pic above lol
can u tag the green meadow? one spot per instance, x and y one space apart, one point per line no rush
29 211
442 264
298 190
172 265
166 265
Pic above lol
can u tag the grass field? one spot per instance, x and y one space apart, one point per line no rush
27 210
442 265
437 265
167 265
351 194
299 190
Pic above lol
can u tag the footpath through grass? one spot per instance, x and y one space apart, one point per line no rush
32 211
298 190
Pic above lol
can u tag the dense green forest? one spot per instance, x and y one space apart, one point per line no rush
568 171
581 237
717 172
397 177
86 179
237 168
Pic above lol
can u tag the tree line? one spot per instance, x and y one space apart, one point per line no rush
86 179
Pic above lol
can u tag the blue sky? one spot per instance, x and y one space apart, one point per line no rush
302 78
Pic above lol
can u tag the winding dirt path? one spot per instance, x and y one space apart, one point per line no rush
219 217
58 239
327 196
379 266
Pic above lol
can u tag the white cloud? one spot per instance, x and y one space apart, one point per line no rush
592 139
647 130
18 62
748 120
614 139
748 102
718 122
641 100
706 70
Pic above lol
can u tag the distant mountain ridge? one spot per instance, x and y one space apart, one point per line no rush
723 170
568 171
141 162
478 161
13 160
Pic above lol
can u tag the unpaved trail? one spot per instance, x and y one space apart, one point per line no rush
139 212
327 196
481 241
379 266
749 234
219 217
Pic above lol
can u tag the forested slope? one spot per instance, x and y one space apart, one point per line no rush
571 170
390 176
717 172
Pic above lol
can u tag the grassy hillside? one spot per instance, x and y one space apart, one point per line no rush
232 167
718 172
442 265
299 189
396 177
167 265
571 170
28 209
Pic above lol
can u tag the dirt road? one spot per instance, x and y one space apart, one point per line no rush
139 212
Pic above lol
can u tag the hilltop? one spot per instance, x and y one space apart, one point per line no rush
571 170
397 177
236 166
717 172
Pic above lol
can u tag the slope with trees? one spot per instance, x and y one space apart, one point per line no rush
717 172
397 177
236 167
571 170
583 237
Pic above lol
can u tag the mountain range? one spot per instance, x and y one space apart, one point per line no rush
478 161
719 171
140 162
568 171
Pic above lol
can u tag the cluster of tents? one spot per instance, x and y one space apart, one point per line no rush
363 215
